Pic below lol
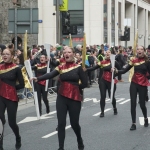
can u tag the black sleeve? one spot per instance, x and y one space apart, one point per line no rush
117 65
48 75
83 78
54 62
125 70
34 67
93 68
148 68
20 79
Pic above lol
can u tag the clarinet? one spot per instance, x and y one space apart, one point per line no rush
37 54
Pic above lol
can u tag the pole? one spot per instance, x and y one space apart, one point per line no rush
31 18
57 22
15 27
137 14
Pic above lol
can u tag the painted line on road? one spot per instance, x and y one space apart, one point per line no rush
97 114
120 99
141 120
87 99
125 101
54 133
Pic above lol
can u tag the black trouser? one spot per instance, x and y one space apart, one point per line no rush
11 112
134 90
73 107
42 93
104 86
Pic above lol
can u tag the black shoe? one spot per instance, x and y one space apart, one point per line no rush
102 114
57 128
146 124
1 148
133 127
115 111
147 98
60 149
18 143
80 144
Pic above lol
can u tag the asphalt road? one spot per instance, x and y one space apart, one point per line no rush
108 133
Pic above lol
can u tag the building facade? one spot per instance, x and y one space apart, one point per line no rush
5 37
101 20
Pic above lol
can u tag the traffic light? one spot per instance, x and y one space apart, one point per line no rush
127 34
65 22
73 30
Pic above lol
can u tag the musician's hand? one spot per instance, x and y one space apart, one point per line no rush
112 69
33 79
84 69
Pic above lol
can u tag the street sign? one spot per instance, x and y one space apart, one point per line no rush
26 19
40 21
64 6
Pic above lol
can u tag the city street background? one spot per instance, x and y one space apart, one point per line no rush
108 133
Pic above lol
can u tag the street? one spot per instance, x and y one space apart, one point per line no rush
109 133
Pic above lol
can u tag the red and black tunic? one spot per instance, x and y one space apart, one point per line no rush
61 61
106 65
10 75
141 68
40 69
70 74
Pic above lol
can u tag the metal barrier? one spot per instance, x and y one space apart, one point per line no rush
24 92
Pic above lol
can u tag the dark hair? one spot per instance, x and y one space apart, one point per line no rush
78 53
21 59
10 46
11 51
29 54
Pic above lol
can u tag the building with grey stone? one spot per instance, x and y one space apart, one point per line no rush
5 37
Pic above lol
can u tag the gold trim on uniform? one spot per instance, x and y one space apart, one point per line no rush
130 62
104 65
99 63
41 67
139 63
57 69
58 60
69 69
9 69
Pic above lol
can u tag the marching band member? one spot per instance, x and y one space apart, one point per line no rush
40 70
10 73
138 84
105 81
69 97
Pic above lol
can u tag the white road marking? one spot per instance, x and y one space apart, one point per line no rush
95 100
87 99
30 119
97 114
54 133
124 101
141 120
120 99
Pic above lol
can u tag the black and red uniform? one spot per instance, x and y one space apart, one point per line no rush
105 83
40 70
11 79
138 84
69 98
